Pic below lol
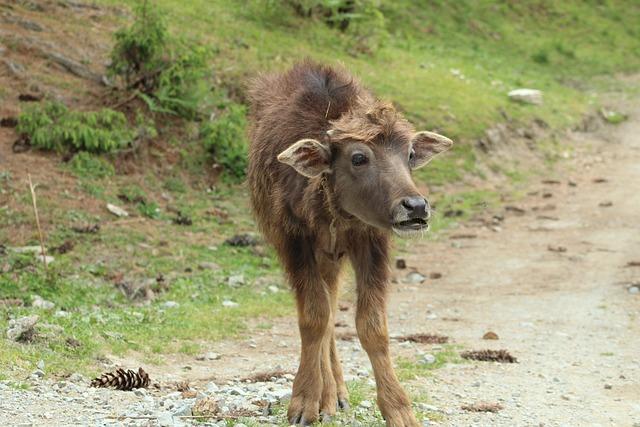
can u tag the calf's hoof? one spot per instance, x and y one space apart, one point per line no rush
343 404
401 417
303 411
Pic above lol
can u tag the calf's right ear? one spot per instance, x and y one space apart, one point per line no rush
309 157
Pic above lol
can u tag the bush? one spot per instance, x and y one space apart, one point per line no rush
181 88
225 139
51 126
168 73
138 49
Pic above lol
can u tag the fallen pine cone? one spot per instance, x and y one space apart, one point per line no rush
482 407
501 356
424 338
122 380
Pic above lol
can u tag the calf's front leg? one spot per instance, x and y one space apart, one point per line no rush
370 262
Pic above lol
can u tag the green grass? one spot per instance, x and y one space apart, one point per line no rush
490 43
410 370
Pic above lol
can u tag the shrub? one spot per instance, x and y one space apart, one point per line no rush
181 88
51 126
138 49
225 139
168 73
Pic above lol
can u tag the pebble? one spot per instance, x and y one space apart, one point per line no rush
366 404
428 359
39 302
236 280
170 304
634 290
229 303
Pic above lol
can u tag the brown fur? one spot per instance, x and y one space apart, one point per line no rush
294 213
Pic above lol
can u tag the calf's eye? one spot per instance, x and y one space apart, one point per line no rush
359 159
412 155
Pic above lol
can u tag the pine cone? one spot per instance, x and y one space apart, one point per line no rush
122 380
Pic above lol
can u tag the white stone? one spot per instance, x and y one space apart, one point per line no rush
526 96
228 303
17 327
366 404
39 302
117 211
170 304
236 280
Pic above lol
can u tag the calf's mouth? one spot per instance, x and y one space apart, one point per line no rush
410 226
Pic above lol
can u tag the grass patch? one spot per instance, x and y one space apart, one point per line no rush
410 370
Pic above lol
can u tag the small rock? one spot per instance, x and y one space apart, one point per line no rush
207 406
212 388
182 411
414 277
39 302
164 419
208 356
608 386
635 289
117 211
236 280
77 378
46 258
526 96
209 266
230 304
40 364
366 404
38 373
428 359
273 289
22 329
242 240
170 304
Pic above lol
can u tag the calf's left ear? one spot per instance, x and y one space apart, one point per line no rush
426 145
309 157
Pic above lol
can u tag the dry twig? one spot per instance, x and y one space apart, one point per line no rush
35 211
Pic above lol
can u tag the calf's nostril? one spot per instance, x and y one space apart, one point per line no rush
417 206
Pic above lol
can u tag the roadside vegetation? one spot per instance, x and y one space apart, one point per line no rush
163 280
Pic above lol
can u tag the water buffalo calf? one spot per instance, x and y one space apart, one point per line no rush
330 177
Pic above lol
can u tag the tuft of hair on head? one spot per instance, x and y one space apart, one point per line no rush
368 122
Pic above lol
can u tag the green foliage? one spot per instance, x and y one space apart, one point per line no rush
51 126
132 194
87 165
168 73
541 57
149 209
175 185
138 49
182 88
225 139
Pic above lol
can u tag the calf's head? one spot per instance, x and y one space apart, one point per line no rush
370 155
